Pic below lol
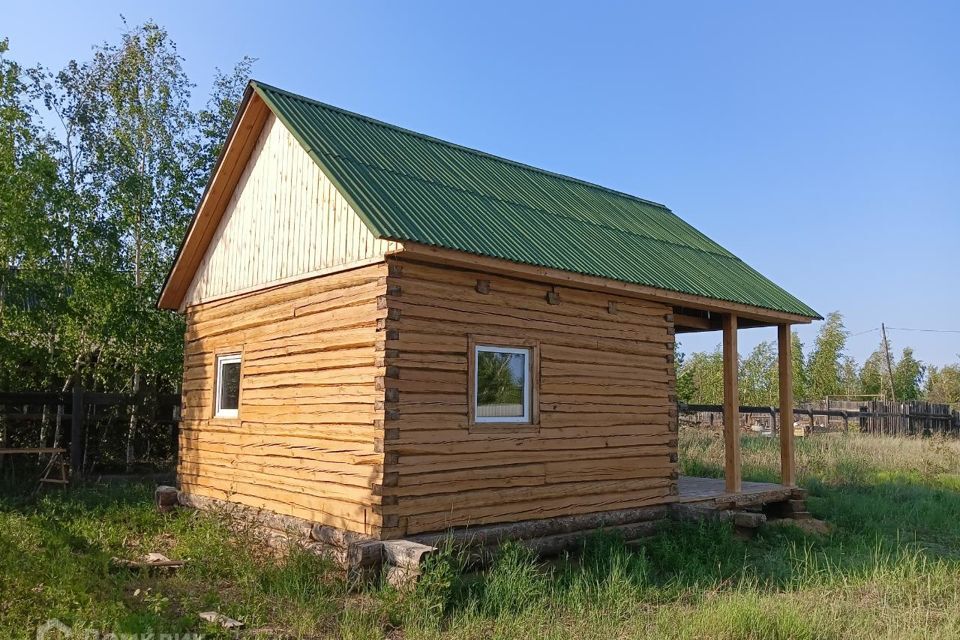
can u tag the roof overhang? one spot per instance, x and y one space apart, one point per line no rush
704 313
236 151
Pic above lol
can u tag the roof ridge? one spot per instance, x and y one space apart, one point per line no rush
454 145
590 223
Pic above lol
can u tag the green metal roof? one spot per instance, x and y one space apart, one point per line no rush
408 186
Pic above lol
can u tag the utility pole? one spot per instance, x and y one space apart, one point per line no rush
886 350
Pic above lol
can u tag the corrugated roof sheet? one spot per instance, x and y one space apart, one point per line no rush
408 186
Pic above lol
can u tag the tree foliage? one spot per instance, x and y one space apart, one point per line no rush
824 367
702 376
499 378
908 377
943 384
759 376
828 371
801 385
101 166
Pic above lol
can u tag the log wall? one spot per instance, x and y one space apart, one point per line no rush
606 437
308 439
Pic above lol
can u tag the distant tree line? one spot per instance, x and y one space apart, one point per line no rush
101 166
826 372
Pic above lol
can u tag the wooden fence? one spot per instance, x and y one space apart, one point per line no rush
908 418
873 417
91 425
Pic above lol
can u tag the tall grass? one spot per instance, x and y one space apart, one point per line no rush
890 567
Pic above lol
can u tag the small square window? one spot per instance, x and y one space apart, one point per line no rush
502 384
228 386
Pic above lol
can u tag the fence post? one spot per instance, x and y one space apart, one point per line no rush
76 433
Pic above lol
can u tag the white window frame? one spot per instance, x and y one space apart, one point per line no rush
227 358
527 354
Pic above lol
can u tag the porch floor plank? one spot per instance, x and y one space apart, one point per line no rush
713 490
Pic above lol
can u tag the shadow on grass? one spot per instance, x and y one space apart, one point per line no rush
57 550
896 533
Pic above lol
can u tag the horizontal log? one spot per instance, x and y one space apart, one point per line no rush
279 430
439 521
460 277
323 304
292 443
351 317
294 468
492 445
457 313
347 466
282 479
269 298
408 421
502 498
442 462
588 312
462 433
258 498
489 474
541 528
642 352
331 454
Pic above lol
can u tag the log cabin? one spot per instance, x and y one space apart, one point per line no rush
390 335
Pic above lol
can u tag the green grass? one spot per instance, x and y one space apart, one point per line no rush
890 567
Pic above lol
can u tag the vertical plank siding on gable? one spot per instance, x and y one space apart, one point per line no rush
284 220
607 433
308 440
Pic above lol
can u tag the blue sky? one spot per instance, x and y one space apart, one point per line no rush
818 141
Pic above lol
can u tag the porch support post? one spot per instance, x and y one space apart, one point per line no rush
788 469
731 405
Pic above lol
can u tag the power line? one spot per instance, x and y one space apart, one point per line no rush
860 333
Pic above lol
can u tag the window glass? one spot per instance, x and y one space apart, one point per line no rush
228 385
503 384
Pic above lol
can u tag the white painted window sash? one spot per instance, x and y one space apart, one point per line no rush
526 353
233 358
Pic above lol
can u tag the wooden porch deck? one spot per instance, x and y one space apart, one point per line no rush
712 492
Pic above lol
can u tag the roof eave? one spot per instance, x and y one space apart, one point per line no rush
453 257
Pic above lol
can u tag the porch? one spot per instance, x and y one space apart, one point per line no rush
713 492
732 488
755 504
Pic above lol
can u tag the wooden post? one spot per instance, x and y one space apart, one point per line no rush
788 469
76 433
731 405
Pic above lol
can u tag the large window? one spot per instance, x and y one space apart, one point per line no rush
503 384
228 385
